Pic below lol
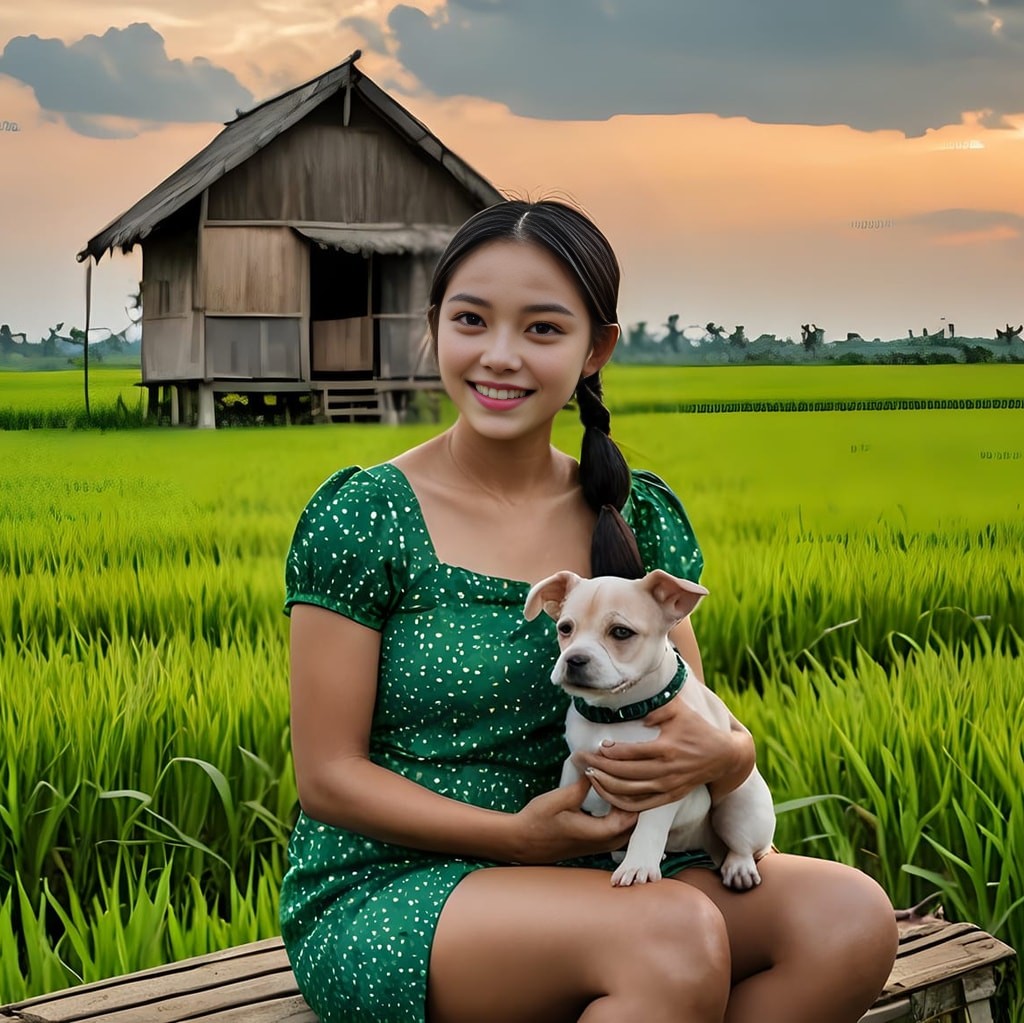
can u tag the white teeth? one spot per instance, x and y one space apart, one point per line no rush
501 395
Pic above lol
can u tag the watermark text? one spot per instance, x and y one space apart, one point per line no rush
872 225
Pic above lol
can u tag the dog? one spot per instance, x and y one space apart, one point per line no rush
618 664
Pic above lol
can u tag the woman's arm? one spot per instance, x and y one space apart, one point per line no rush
689 751
334 664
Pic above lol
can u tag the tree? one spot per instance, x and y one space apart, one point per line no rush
674 333
7 342
811 338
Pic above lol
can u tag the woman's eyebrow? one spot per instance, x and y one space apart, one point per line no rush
539 307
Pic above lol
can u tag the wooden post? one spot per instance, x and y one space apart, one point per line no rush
85 340
207 414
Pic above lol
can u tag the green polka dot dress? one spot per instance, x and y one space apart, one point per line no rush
465 706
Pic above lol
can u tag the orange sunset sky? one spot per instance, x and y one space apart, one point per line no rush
731 149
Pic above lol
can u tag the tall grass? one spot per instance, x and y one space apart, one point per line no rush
864 620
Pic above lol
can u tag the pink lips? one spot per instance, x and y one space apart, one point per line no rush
498 404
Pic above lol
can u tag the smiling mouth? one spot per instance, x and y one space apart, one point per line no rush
500 393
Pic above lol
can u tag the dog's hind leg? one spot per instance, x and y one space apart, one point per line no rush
740 871
745 821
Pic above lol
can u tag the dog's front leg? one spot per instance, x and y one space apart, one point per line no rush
646 847
593 803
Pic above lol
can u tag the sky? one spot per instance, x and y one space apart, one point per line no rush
770 163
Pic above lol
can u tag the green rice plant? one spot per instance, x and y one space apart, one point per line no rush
636 388
864 619
130 922
914 772
63 389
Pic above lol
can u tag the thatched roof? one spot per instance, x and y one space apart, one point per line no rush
381 238
251 131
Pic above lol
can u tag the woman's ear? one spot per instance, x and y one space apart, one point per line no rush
601 350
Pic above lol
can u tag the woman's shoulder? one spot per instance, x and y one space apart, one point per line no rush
355 485
354 504
664 534
348 552
650 489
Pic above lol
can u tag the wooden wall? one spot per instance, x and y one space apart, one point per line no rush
170 349
170 337
168 272
254 270
322 172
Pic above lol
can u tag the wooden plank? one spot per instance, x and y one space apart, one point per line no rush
189 978
239 999
930 954
894 1012
940 969
937 1000
281 1010
343 345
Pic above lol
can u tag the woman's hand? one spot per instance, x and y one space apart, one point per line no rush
690 751
552 827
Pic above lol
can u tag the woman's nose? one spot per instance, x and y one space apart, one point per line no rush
501 352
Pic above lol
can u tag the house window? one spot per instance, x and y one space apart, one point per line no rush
252 347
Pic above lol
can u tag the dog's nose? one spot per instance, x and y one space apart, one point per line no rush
577 661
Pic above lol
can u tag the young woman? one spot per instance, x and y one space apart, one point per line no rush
437 873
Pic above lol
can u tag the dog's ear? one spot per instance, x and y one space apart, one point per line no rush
677 597
549 595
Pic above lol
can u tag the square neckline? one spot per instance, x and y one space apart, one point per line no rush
414 502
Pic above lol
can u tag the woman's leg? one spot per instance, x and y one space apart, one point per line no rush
540 944
814 941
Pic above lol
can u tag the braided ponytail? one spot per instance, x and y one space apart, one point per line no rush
606 480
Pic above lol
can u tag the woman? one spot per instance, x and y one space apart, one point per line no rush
436 872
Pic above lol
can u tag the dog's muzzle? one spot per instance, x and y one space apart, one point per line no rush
577 671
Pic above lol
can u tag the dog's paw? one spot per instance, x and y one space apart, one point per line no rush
633 872
740 872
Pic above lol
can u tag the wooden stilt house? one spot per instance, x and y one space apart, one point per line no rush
292 255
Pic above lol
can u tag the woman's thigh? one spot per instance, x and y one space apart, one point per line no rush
543 943
817 916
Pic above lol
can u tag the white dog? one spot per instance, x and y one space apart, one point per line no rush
618 664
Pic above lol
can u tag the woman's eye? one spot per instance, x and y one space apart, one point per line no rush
545 329
621 632
473 320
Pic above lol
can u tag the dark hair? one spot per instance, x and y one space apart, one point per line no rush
572 238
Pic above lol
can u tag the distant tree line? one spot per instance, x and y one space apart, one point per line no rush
65 347
711 345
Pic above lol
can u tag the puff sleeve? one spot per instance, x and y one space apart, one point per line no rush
662 528
348 551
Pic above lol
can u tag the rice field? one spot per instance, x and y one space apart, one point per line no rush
865 621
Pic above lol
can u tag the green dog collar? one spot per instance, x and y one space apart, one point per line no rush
633 711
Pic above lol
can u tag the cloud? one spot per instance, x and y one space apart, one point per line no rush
959 227
959 219
908 65
375 36
125 73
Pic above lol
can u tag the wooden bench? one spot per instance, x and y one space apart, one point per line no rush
944 971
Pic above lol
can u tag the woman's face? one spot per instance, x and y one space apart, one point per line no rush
513 338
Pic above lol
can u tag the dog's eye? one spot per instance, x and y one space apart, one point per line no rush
565 628
621 632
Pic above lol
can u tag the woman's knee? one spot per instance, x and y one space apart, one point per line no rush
679 939
848 918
